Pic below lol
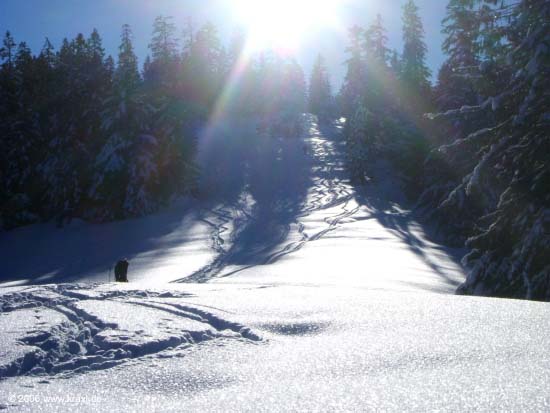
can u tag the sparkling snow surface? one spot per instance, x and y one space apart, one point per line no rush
298 292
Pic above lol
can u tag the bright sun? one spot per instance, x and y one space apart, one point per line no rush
284 24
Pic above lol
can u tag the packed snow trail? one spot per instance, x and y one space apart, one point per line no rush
290 291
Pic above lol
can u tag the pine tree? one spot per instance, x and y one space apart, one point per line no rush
47 53
357 145
173 108
461 26
320 94
376 60
7 51
164 44
205 68
500 170
161 71
456 80
353 89
414 72
293 103
127 77
384 136
511 246
95 46
371 84
279 95
376 41
85 77
124 120
98 71
8 86
21 138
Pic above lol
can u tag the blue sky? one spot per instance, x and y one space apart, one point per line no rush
33 20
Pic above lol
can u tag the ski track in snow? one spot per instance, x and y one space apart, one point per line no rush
330 189
68 329
223 220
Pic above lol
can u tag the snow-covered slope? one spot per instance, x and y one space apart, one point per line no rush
292 291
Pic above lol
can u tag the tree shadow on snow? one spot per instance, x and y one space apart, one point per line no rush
383 196
392 213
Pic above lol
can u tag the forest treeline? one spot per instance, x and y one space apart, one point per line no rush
475 148
83 135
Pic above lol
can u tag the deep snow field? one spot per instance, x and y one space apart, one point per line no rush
290 290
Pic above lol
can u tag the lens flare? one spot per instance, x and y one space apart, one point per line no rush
284 24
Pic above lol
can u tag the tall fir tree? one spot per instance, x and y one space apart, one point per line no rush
205 68
353 88
7 51
457 77
500 169
511 244
127 77
415 75
376 62
376 41
357 145
164 43
161 71
117 190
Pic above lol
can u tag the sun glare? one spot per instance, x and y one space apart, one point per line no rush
284 24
